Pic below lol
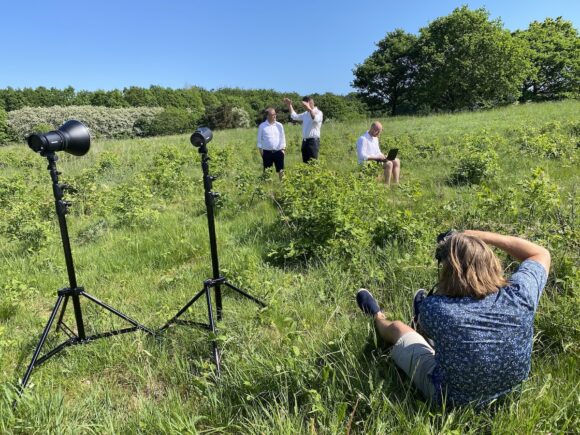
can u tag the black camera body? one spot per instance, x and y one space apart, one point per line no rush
442 249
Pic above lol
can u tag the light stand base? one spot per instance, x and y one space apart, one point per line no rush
210 326
74 338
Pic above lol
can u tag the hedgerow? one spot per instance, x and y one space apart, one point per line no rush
102 121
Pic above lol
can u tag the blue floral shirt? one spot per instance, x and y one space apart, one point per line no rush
483 347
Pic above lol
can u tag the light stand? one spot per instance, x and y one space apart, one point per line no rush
73 291
200 139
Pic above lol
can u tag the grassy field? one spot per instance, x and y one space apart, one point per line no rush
308 363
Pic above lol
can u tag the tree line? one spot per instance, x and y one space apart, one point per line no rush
466 61
462 61
198 101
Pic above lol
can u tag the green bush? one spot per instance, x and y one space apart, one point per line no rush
4 132
402 228
551 140
474 167
131 204
227 116
172 120
324 214
166 176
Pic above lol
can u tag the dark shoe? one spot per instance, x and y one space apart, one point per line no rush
420 295
366 302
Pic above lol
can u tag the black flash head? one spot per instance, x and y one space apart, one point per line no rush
442 250
201 137
72 137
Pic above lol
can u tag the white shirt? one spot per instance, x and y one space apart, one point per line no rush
367 146
310 127
271 136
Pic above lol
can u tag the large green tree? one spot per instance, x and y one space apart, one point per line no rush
467 61
554 50
384 79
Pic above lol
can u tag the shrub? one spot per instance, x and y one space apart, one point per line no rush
131 205
166 173
102 121
551 140
322 214
539 195
474 167
400 227
23 224
171 121
227 116
4 131
552 145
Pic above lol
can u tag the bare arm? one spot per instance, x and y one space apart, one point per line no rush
517 247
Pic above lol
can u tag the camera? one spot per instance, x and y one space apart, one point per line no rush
72 137
442 251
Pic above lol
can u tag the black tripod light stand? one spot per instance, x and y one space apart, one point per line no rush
74 138
200 139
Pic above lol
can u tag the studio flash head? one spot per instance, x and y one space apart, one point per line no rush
72 137
201 137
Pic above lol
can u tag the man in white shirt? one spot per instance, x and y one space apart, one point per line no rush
311 121
272 142
367 148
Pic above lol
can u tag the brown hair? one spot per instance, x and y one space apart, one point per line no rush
469 268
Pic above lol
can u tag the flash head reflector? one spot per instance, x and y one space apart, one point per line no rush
72 137
201 137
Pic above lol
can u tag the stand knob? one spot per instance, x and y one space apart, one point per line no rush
213 177
68 187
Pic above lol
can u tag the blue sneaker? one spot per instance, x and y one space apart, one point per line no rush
366 302
419 297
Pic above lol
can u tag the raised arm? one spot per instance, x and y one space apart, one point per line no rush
517 247
293 113
309 109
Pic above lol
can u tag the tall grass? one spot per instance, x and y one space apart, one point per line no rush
309 362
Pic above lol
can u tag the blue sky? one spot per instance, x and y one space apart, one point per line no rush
302 46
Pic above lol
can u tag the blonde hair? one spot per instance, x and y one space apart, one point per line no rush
469 268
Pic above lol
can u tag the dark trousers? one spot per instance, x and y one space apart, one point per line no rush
275 158
310 148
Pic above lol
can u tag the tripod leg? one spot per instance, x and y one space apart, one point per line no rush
78 316
216 352
243 293
218 301
183 310
117 313
40 343
59 322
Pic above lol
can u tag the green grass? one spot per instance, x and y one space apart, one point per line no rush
308 363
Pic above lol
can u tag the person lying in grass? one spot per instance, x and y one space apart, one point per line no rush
480 325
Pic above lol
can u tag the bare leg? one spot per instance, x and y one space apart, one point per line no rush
396 170
388 168
390 330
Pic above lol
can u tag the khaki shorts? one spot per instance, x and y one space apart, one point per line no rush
416 358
